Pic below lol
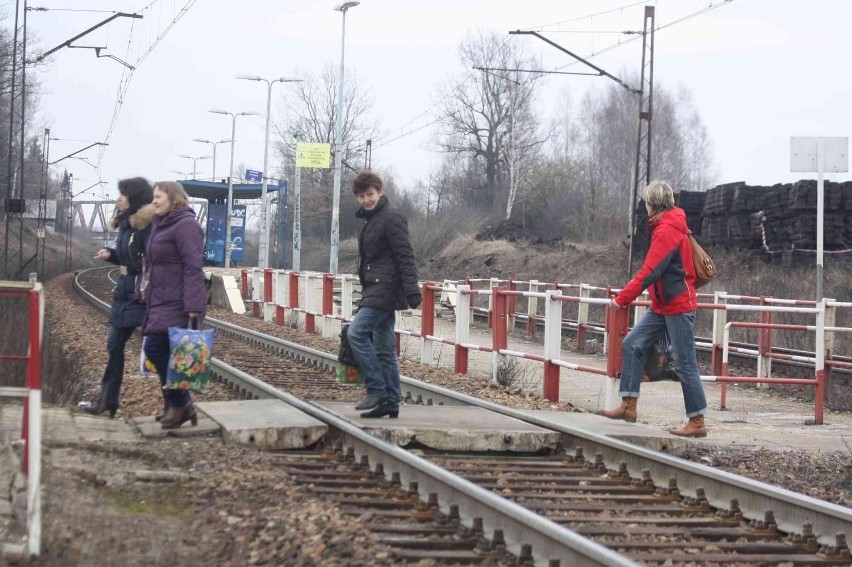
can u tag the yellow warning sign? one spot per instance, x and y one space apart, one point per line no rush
313 155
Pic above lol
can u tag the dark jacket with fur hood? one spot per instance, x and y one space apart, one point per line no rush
174 260
133 231
386 264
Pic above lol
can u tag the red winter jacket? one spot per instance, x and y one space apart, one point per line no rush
668 270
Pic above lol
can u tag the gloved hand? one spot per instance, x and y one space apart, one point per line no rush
414 300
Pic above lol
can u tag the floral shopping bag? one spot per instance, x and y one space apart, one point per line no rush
189 361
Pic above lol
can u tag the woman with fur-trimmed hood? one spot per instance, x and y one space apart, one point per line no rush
132 219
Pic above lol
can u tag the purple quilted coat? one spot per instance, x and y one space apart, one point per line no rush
174 259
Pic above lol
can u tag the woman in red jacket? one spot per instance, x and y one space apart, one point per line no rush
669 275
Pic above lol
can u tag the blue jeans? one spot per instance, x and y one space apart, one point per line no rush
642 337
377 356
157 350
114 371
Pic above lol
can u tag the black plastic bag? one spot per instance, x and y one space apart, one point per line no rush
348 372
345 355
659 364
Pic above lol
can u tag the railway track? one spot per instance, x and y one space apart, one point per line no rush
620 505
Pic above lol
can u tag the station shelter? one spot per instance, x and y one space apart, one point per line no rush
216 195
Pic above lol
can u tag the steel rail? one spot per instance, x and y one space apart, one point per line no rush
520 525
792 510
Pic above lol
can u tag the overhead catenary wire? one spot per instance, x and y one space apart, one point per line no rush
407 129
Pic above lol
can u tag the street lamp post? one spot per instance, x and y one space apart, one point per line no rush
230 179
214 144
194 161
338 147
263 245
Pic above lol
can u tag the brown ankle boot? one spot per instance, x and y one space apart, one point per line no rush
176 417
626 411
693 428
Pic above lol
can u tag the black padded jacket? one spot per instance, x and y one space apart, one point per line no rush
386 266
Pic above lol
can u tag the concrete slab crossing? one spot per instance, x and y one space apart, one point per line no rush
647 436
452 428
264 424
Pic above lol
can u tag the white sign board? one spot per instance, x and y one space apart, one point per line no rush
803 154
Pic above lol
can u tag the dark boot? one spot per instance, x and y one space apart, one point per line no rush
162 414
371 401
693 428
97 408
386 407
176 417
626 411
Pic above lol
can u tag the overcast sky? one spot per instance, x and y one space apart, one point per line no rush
759 71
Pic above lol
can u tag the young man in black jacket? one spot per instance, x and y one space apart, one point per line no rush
388 276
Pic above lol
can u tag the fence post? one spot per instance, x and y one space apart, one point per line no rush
256 290
616 328
346 298
511 306
819 397
293 302
280 295
492 283
32 456
462 328
499 335
268 305
427 322
552 344
327 305
532 309
310 317
764 346
606 325
244 283
830 318
582 317
720 318
639 310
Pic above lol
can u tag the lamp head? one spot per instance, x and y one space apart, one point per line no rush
346 5
184 156
249 113
202 140
218 111
249 77
224 142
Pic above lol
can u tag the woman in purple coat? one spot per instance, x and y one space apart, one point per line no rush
176 291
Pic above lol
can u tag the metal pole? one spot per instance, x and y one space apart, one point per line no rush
338 160
23 139
213 179
284 225
9 176
230 192
263 246
820 215
297 221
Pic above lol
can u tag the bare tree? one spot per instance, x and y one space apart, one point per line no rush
310 111
490 117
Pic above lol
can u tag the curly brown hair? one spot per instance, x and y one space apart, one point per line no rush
364 180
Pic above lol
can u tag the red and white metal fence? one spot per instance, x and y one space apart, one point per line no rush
31 422
274 293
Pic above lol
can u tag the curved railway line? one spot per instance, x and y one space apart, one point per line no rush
606 502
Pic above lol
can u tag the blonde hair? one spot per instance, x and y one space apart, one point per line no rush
175 192
659 196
